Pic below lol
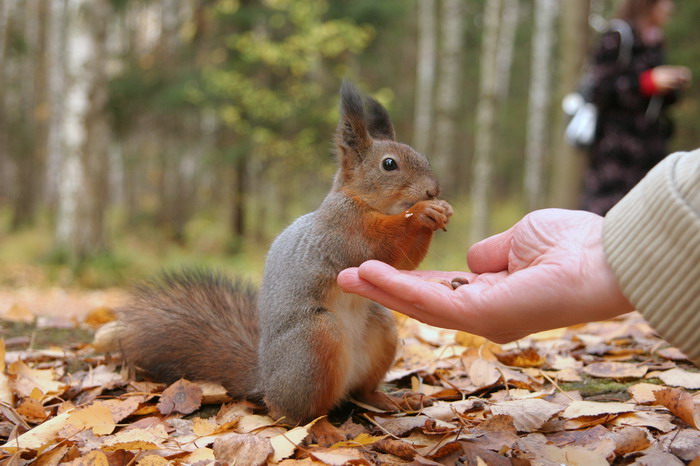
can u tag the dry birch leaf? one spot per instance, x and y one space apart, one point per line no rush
242 449
183 396
680 378
680 403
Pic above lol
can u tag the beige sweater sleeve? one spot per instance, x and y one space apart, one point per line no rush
652 241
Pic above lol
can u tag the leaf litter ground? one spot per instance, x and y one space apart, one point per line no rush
601 393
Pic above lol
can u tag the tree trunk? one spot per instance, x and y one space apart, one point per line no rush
448 92
538 106
425 76
30 153
569 164
83 184
506 43
57 89
485 124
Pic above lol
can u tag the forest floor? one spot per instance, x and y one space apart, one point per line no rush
601 393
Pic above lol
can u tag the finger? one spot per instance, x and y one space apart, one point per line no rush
491 254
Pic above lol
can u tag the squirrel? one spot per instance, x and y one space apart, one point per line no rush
300 344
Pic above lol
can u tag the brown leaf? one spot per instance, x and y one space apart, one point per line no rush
680 378
672 353
99 316
27 379
528 415
152 460
595 408
32 410
527 357
643 393
656 420
495 433
339 456
52 456
631 439
242 449
680 403
94 458
183 397
396 447
615 370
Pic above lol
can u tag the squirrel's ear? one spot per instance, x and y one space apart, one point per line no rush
378 122
352 131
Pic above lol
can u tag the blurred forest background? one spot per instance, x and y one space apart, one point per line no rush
142 134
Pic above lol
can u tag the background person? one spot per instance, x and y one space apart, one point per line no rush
632 96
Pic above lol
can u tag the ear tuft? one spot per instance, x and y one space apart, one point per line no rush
352 130
378 121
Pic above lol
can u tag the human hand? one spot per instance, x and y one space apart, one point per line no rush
667 78
548 271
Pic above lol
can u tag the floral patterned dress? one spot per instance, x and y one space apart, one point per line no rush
633 128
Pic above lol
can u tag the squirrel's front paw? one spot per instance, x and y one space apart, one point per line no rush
433 214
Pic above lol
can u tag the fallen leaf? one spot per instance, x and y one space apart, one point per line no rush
595 408
339 456
447 411
19 313
527 357
94 458
643 393
630 440
99 316
681 378
528 415
680 403
32 410
537 449
684 444
615 370
242 449
27 379
52 456
672 353
43 434
495 433
285 444
6 395
201 454
484 373
97 417
152 460
213 393
656 420
136 439
202 427
183 396
396 447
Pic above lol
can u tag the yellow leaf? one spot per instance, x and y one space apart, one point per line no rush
100 316
41 435
152 460
134 439
94 458
285 444
202 427
28 379
97 417
19 313
201 454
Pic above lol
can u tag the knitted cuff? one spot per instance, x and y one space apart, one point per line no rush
652 242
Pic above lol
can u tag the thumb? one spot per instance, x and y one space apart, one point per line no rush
490 254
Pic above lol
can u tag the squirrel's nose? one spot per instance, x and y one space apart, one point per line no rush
433 192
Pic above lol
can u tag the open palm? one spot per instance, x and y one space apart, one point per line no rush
547 271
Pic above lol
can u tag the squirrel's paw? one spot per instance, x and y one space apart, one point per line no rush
396 403
326 434
433 214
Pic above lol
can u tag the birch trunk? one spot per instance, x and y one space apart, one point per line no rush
506 43
448 92
569 164
485 124
82 188
538 106
56 86
425 76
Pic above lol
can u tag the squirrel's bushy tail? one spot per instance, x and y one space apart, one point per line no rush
194 324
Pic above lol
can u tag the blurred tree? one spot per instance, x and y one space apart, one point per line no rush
538 105
83 180
426 58
568 164
485 123
448 92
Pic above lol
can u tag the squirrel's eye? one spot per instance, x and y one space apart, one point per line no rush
389 164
